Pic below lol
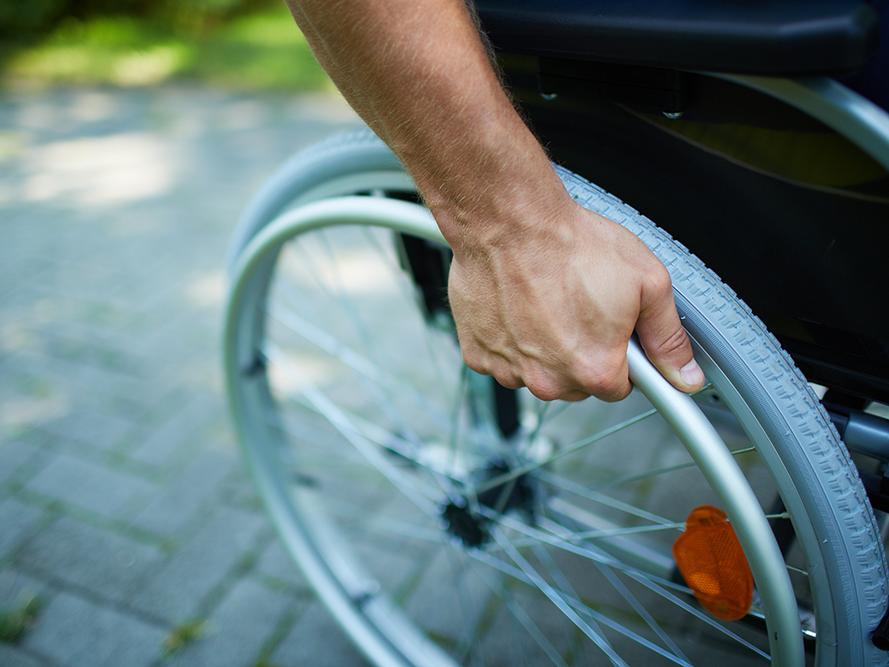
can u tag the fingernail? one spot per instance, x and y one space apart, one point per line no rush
691 374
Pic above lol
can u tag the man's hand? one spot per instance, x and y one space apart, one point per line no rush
544 293
552 307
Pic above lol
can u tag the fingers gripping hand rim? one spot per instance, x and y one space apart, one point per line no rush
596 367
662 336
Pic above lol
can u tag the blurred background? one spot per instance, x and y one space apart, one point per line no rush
132 133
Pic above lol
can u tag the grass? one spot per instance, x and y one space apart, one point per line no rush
183 635
14 623
263 50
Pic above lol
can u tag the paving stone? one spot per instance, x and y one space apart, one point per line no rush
93 558
177 590
13 656
17 521
169 511
16 455
16 587
165 444
90 485
316 639
390 564
239 627
74 631
450 597
508 642
239 491
276 563
91 427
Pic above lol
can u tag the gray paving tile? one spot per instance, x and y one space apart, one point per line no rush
450 598
276 563
176 591
388 562
239 627
90 485
317 640
166 443
170 510
17 521
508 642
73 631
16 455
94 558
13 656
16 587
91 427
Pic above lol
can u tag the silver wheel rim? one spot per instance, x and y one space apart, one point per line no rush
341 600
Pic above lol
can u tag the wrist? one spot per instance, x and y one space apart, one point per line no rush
507 220
487 203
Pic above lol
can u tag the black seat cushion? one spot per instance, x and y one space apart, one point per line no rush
766 37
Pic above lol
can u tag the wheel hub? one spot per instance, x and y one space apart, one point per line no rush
470 527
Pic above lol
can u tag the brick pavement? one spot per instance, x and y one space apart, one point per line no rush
123 503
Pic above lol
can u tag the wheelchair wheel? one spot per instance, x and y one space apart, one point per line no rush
434 537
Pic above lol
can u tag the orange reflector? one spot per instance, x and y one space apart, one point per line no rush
713 564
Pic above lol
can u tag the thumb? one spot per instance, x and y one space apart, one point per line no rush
665 342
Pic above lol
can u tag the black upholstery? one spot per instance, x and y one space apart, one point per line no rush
743 36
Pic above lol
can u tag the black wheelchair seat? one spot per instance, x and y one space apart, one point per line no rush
756 37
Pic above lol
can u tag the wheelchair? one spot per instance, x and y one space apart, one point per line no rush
444 519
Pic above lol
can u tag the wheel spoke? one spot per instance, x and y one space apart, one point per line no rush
583 609
514 608
459 590
561 580
456 416
352 314
540 418
634 636
603 499
416 494
570 449
556 598
347 510
667 469
379 436
365 369
640 609
399 278
590 535
655 584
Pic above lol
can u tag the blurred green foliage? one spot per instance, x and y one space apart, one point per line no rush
24 19
183 635
14 623
250 44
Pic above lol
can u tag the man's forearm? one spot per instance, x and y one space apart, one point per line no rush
418 73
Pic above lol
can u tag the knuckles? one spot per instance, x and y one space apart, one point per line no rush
508 379
601 375
544 387
606 380
475 361
617 391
